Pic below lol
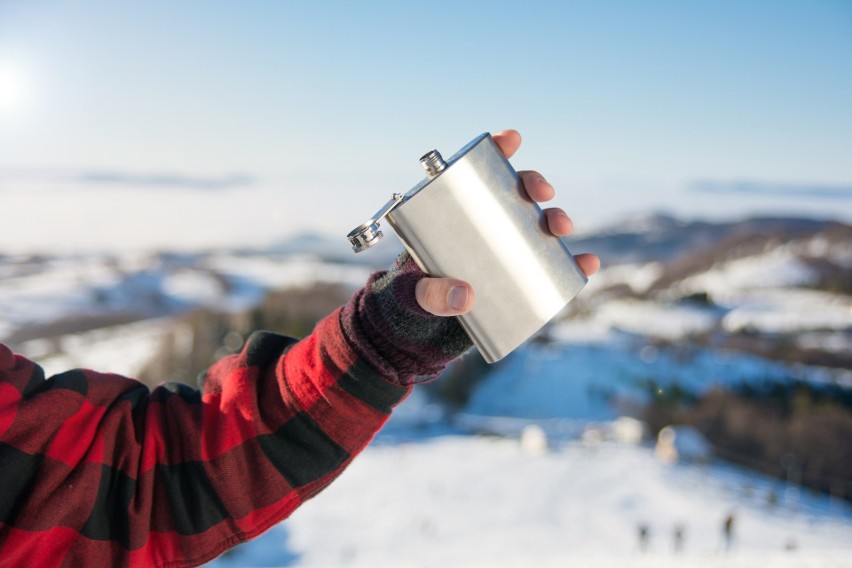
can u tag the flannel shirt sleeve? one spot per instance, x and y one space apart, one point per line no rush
97 470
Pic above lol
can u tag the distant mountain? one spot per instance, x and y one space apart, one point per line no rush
780 288
665 238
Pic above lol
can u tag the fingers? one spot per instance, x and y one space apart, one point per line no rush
452 297
538 188
589 263
444 296
508 141
558 222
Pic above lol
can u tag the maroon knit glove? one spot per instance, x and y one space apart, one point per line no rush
391 332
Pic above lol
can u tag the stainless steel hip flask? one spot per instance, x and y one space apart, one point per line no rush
471 219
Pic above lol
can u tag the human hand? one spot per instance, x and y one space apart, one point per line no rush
453 297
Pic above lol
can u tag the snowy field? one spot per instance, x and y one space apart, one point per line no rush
447 500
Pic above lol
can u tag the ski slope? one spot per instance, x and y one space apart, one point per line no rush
443 499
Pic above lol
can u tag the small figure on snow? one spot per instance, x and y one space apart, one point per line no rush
644 536
728 531
678 536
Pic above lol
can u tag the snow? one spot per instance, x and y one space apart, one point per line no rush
760 293
786 311
587 381
454 500
655 319
586 331
838 252
193 286
777 268
767 293
440 495
60 286
39 292
833 342
639 277
121 349
288 272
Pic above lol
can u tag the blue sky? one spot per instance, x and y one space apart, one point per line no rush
249 121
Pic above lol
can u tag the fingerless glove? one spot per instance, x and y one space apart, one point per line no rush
389 329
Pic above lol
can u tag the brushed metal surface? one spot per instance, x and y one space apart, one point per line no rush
474 221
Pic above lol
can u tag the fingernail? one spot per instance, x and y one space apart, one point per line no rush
457 298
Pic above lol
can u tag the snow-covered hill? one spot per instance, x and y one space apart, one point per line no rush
760 286
445 499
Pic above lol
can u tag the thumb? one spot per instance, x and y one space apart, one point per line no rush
444 296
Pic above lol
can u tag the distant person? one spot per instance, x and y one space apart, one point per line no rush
95 470
678 536
644 537
728 531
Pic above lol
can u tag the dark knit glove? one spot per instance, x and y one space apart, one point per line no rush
391 332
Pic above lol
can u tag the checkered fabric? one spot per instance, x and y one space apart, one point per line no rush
96 470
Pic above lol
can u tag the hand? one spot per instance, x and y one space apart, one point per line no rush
453 297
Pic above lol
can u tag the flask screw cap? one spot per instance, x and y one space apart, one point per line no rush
433 163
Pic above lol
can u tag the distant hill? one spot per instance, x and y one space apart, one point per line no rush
665 238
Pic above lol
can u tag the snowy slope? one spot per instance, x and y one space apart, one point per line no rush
473 501
588 381
466 501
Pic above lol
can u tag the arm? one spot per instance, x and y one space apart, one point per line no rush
94 466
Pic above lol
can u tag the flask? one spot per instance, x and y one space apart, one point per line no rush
470 218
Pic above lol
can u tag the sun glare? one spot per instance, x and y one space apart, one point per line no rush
12 88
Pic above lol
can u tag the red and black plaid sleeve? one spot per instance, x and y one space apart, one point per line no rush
97 470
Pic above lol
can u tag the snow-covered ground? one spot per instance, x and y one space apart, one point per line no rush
469 501
768 292
577 381
37 293
122 349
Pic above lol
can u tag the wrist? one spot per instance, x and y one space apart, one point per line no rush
390 331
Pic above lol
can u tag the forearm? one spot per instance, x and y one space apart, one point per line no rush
175 477
279 423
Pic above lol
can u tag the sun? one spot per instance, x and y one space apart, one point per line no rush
12 88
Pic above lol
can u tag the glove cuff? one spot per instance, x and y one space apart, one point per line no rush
389 329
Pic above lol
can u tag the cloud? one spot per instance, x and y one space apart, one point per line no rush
770 189
231 181
116 178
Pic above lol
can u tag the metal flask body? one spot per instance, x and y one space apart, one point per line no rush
471 219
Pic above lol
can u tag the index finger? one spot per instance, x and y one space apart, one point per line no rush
508 141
